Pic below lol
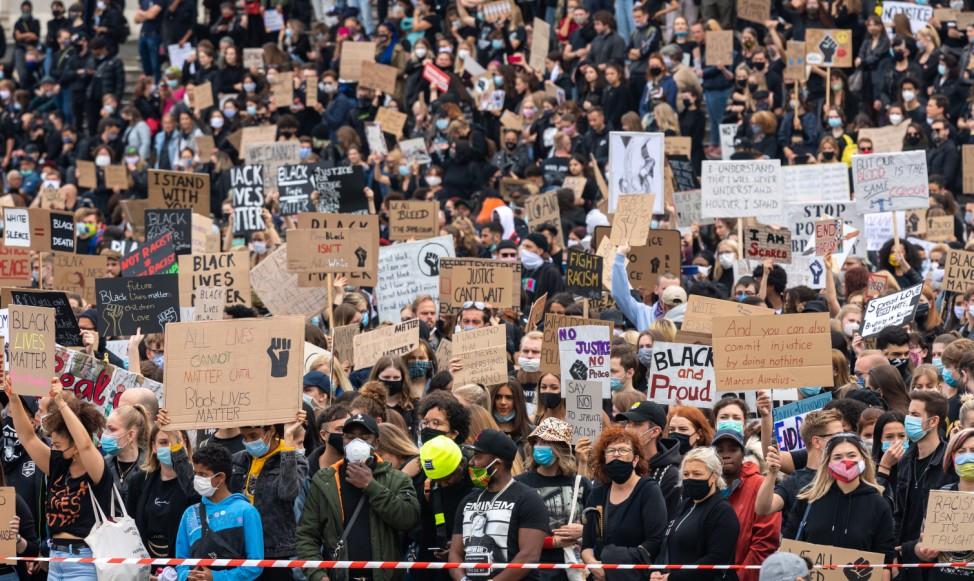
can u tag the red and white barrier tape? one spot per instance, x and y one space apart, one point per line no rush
302 564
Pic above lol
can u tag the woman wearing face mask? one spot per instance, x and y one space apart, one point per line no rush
269 473
689 427
902 261
706 528
510 410
124 442
727 255
161 489
421 363
889 445
730 413
393 374
873 58
550 403
844 506
413 71
551 469
625 516
959 457
850 317
842 145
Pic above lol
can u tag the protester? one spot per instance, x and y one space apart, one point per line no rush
646 421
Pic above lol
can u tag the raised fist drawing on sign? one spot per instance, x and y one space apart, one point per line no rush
827 47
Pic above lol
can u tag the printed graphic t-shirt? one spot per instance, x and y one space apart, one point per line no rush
69 507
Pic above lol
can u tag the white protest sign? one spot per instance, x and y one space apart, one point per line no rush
16 227
682 374
805 271
407 270
878 228
741 189
178 54
584 358
889 311
823 182
918 14
728 132
119 348
891 181
636 166
801 218
788 420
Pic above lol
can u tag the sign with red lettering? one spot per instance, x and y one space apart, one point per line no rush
762 242
828 236
93 380
436 77
890 181
682 374
155 257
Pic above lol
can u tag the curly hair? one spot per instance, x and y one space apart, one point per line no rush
610 436
371 399
91 417
456 414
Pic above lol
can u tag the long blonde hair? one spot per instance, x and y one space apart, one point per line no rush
823 481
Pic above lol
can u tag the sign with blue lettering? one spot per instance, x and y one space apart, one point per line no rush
788 420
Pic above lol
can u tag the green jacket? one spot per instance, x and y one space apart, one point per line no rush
393 510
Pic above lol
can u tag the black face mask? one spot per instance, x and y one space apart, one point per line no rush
684 441
912 139
828 155
899 56
511 145
921 313
619 470
695 489
757 66
550 400
742 83
427 434
655 71
337 442
394 387
752 87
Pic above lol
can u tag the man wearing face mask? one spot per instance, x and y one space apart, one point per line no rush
223 525
528 366
646 421
109 77
358 508
502 520
540 276
894 342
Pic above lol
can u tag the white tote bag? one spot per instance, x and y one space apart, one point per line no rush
571 553
116 537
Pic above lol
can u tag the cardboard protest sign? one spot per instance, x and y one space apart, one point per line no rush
238 372
31 338
949 521
828 236
494 282
631 223
940 229
353 54
16 228
127 304
8 510
540 40
86 173
205 146
228 272
828 47
294 188
65 324
701 311
891 181
178 221
720 48
660 255
788 420
483 353
155 257
116 177
967 163
636 162
15 269
795 61
271 156
397 340
888 139
536 312
754 10
209 303
378 76
50 230
540 209
413 219
917 14
344 243
282 89
340 189
916 222
77 273
583 276
825 556
741 189
876 285
584 353
682 374
94 380
246 190
688 209
550 357
278 289
407 271
52 196
179 189
392 122
772 351
763 242
958 270
820 182
343 342
253 58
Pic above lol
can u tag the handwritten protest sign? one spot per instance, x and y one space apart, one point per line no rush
891 181
397 340
550 358
763 242
343 342
209 303
51 230
96 381
353 54
279 291
227 271
157 256
127 304
294 188
967 168
828 236
741 189
682 374
688 209
413 219
31 336
483 353
378 76
344 244
895 309
660 255
87 174
876 285
66 331
828 47
77 273
940 229
179 221
494 282
754 10
340 189
917 14
788 420
239 372
246 189
795 61
761 352
820 182
631 223
407 271
584 353
720 48
958 270
8 510
179 189
116 178
916 222
878 228
949 522
15 267
636 166
825 556
16 228
271 156
543 209
583 276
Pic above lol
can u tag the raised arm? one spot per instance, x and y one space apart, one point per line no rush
39 452
91 459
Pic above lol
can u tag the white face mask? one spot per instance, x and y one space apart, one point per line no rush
203 486
216 122
463 53
530 260
358 450
908 95
421 52
726 259
433 180
103 161
529 365
895 119
850 329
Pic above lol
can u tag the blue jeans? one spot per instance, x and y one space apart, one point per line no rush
624 19
71 571
716 103
9 577
65 103
149 55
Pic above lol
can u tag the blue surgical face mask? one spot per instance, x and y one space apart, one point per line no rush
229 113
914 428
164 454
257 448
503 419
645 356
497 44
950 379
442 124
404 170
616 384
835 122
809 391
304 152
109 444
173 83
159 360
498 81
543 455
888 443
939 364
741 297
249 87
306 398
731 425
365 319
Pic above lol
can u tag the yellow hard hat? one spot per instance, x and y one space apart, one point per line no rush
440 457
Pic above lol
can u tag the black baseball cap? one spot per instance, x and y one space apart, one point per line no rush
319 380
644 411
496 443
364 420
728 434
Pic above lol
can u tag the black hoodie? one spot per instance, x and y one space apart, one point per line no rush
702 533
861 520
664 468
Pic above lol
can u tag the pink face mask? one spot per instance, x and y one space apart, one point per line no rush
846 470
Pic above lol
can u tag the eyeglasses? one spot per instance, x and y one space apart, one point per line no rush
434 423
618 452
474 305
